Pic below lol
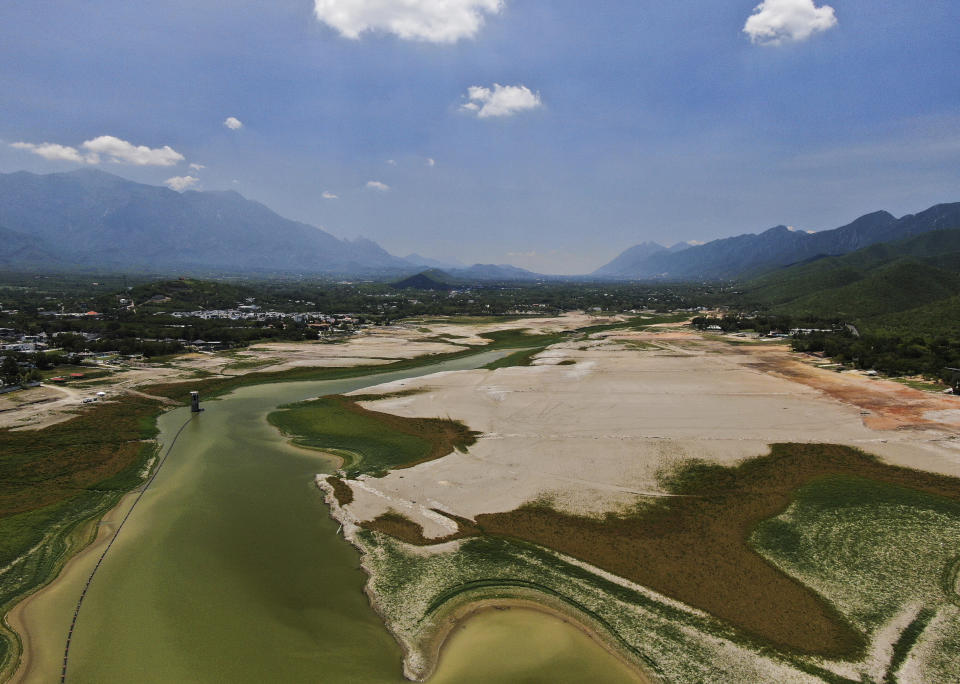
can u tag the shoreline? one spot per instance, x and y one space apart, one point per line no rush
88 540
15 618
465 612
423 656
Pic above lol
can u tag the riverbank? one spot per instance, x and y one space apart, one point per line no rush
423 645
103 451
232 514
20 618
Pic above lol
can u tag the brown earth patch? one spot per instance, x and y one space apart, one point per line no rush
891 405
404 529
341 490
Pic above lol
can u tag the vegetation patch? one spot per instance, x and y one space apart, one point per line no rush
524 357
341 490
404 529
694 547
220 385
382 440
906 642
389 395
54 481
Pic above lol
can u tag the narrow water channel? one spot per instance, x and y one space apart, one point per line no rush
230 570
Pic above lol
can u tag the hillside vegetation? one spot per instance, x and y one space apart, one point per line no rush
904 287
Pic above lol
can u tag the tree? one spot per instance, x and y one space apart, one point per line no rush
10 371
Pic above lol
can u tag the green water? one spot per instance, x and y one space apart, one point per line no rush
230 570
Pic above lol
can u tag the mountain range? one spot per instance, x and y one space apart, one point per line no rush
904 287
93 219
744 256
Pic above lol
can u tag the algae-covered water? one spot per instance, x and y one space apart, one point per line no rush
230 570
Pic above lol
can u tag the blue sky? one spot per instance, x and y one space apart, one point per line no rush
614 123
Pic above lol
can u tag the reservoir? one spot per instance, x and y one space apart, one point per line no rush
230 569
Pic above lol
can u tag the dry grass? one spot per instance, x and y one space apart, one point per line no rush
404 529
42 467
341 490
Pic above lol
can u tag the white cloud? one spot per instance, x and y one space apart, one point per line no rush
122 152
233 123
431 161
775 22
501 100
114 149
431 21
54 152
392 162
197 167
377 185
329 195
181 183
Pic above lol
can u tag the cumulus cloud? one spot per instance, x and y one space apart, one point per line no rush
377 185
329 195
233 123
53 151
431 161
197 167
501 100
122 152
431 21
775 22
112 148
181 183
392 162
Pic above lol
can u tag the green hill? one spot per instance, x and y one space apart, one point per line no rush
899 286
893 284
432 279
938 318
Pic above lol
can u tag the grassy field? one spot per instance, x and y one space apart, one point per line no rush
876 550
53 481
382 441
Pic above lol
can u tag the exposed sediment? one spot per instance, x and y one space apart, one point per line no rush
589 439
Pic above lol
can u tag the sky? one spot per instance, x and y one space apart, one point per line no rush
549 135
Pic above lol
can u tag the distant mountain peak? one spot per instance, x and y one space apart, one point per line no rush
775 247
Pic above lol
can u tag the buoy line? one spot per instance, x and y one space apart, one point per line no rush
83 594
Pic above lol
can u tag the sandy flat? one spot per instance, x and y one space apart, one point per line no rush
592 436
